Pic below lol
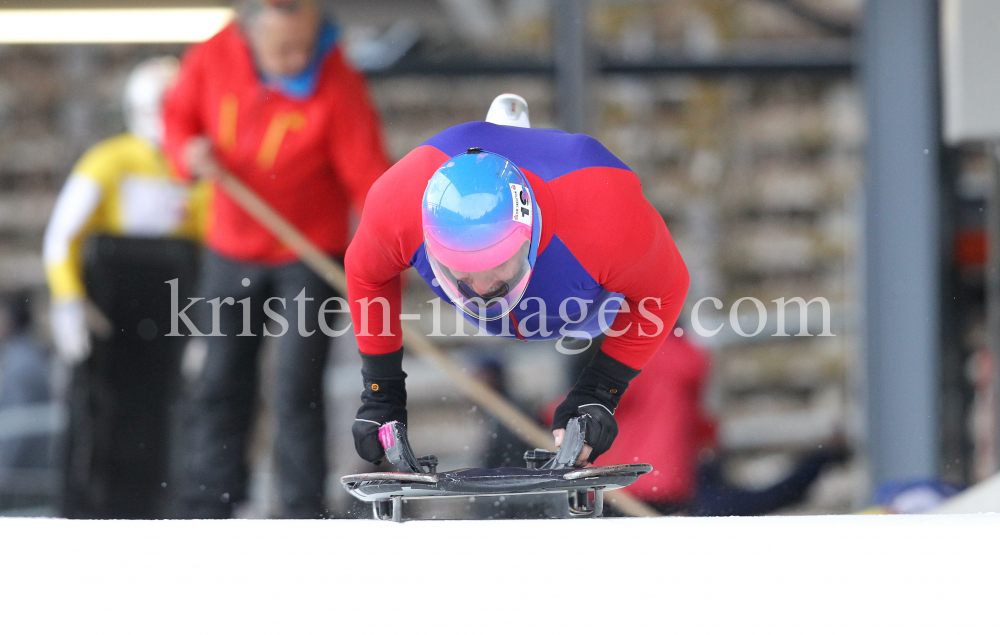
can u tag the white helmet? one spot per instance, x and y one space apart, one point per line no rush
144 91
509 109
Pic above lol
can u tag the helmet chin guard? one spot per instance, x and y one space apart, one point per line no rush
481 227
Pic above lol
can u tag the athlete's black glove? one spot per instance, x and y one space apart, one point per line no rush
383 400
601 384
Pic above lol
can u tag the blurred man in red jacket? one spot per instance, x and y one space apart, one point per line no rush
662 421
272 100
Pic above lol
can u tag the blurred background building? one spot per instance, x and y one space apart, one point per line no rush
748 124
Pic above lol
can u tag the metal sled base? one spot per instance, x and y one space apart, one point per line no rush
585 487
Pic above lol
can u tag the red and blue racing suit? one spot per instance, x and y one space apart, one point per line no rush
601 244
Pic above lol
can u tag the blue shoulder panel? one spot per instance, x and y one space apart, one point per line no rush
546 153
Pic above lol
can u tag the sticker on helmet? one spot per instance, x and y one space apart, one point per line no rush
522 204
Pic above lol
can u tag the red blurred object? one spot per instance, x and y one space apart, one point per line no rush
661 421
971 249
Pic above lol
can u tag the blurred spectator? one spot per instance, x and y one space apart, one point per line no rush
24 365
271 100
662 421
27 439
121 229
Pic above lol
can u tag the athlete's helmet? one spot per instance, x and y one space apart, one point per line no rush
144 91
481 231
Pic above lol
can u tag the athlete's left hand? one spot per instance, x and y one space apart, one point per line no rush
599 432
596 395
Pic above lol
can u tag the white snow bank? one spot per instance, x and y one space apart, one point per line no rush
983 497
802 575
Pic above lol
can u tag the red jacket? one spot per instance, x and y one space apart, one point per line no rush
661 421
310 159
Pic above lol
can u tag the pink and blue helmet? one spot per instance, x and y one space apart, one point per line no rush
481 231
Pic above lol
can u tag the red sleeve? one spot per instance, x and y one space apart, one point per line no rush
357 149
181 113
622 241
387 238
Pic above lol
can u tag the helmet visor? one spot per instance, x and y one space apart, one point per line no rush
489 294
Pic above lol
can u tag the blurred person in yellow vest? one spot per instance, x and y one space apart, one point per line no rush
123 228
123 187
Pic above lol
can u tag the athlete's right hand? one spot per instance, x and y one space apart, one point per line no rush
200 158
383 400
69 330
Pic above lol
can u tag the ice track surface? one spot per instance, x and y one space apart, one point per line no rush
802 575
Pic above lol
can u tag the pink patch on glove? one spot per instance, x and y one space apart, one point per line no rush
385 435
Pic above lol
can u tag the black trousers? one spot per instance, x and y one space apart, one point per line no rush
714 496
120 398
217 432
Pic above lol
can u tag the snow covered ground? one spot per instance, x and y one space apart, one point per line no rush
802 575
